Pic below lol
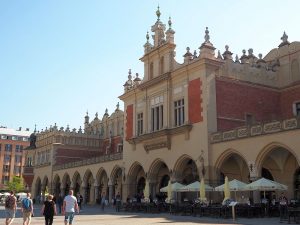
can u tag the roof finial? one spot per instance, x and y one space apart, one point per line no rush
118 106
96 115
284 39
170 23
129 75
34 128
147 36
158 13
206 37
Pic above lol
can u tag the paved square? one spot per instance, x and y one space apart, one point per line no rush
94 215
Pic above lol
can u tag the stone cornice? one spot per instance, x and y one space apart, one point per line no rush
154 81
256 130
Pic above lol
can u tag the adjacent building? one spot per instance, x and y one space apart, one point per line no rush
12 143
211 116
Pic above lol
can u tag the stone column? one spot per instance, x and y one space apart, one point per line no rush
92 199
83 193
62 191
110 192
96 193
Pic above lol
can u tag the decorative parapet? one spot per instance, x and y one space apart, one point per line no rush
89 161
256 130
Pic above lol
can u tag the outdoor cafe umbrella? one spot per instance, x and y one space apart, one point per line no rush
264 185
195 187
234 185
202 190
226 189
175 187
169 191
146 190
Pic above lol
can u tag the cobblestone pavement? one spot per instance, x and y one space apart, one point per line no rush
93 215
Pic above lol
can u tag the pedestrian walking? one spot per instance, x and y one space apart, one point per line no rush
283 205
103 201
10 208
69 207
27 209
49 210
79 200
118 202
60 201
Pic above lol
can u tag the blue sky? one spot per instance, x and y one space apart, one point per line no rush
60 58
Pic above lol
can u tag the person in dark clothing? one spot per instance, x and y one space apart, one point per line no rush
118 202
49 210
59 203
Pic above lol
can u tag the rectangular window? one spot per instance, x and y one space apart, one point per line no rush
3 136
7 158
297 106
17 169
18 158
140 124
14 138
8 147
157 118
5 179
179 116
120 148
6 168
25 139
249 119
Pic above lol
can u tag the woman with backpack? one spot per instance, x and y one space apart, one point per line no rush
49 210
10 208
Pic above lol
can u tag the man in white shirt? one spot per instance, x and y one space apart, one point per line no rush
69 207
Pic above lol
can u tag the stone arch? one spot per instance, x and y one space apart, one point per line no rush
158 176
227 154
136 175
101 183
76 182
270 147
185 170
38 189
279 162
56 185
66 184
232 164
116 177
45 186
88 186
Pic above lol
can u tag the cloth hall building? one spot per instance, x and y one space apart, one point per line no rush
214 115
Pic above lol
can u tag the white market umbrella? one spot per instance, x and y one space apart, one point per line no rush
264 185
234 185
175 187
195 187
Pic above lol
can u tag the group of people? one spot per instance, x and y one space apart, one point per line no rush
69 207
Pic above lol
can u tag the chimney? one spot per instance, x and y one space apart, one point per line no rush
27 129
20 128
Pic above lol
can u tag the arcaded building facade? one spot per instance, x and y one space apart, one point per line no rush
211 116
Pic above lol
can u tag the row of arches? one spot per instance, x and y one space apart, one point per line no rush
276 163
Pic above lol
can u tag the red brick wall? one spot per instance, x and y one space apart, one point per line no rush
195 100
235 99
129 122
288 97
70 155
114 145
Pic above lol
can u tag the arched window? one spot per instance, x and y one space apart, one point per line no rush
151 71
161 65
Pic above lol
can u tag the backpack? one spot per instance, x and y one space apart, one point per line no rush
26 204
10 202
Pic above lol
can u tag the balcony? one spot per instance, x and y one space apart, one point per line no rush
161 138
